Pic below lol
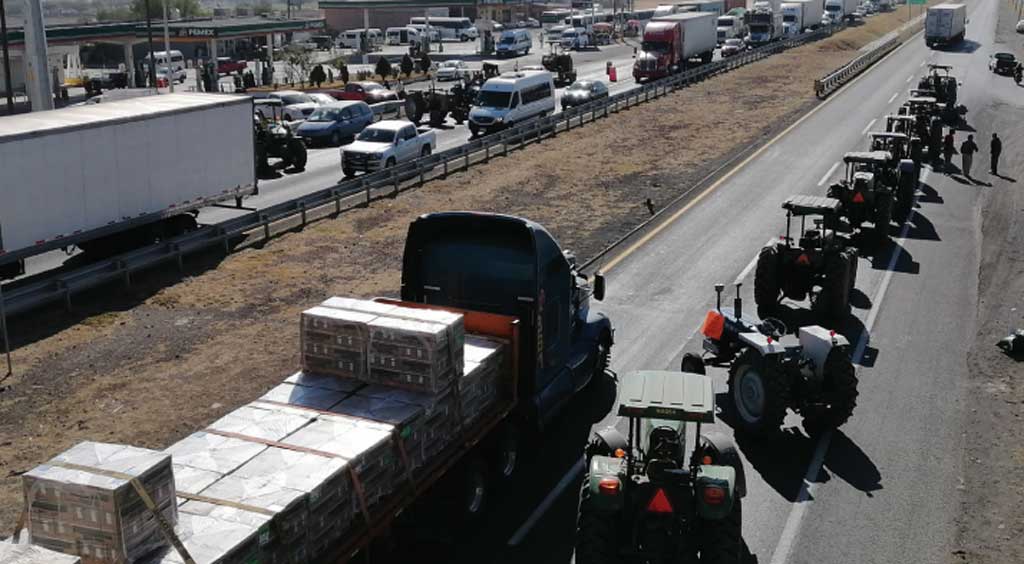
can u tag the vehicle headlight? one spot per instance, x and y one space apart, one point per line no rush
373 156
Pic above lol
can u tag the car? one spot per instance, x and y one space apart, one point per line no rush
366 91
530 22
335 123
1002 63
452 70
385 144
227 65
732 47
296 105
583 91
1020 26
322 99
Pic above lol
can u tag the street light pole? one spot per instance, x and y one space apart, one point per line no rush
167 51
7 60
152 59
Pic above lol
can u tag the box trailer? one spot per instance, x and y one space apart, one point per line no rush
945 24
798 15
716 7
699 32
108 177
837 10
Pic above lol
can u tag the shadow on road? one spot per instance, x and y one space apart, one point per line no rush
1006 178
964 46
848 462
922 228
781 460
905 262
929 195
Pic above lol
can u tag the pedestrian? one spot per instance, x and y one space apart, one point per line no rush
400 90
995 148
967 150
948 149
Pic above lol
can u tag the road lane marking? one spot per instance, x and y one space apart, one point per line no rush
753 262
894 95
828 174
868 126
804 499
909 78
679 213
524 530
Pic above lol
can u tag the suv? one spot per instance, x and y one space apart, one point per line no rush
648 496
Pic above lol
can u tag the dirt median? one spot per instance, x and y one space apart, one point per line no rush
169 355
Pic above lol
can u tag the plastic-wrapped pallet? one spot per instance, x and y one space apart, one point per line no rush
407 419
334 341
479 385
304 396
440 414
213 453
30 554
83 502
217 534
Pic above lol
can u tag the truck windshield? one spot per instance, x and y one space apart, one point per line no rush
325 114
492 99
480 274
377 135
789 18
659 47
724 22
831 8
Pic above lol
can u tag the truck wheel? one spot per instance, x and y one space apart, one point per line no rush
390 163
883 216
766 281
839 393
426 151
833 300
721 541
759 393
348 172
596 541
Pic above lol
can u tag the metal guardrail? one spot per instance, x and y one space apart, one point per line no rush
266 223
832 81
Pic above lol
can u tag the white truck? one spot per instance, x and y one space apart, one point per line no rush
729 27
837 10
945 24
385 144
716 7
764 22
114 176
699 33
799 15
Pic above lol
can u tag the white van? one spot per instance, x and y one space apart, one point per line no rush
514 42
402 35
435 34
512 98
175 62
575 38
351 39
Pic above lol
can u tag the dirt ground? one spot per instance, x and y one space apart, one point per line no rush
991 524
149 364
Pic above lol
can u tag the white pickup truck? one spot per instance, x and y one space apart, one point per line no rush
386 144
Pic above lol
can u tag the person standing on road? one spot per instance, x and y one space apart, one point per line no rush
995 148
967 150
948 148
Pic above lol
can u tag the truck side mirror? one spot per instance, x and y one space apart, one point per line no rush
599 287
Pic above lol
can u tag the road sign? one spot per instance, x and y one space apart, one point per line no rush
917 1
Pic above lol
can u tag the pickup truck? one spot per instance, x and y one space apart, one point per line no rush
227 65
386 144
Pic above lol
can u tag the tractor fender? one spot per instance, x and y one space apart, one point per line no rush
607 440
816 342
610 470
723 451
720 477
764 344
907 166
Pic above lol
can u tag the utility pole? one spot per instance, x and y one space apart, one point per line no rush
7 341
167 51
7 60
152 59
37 66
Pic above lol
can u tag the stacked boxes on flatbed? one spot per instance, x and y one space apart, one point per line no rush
30 554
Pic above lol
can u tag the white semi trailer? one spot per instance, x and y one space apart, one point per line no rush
107 177
945 24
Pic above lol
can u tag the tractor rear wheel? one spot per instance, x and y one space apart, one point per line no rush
905 197
297 149
759 393
766 281
596 541
839 393
722 540
834 298
883 216
851 254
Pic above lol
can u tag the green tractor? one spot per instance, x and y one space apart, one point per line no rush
902 169
274 139
867 191
822 258
649 497
942 86
560 65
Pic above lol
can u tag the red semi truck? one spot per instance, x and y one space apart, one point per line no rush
670 42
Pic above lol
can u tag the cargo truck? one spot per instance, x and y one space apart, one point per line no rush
716 7
110 177
672 43
800 15
729 27
764 22
945 24
838 10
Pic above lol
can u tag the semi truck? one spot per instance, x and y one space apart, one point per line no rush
764 22
945 24
716 7
799 15
114 176
838 10
671 43
729 27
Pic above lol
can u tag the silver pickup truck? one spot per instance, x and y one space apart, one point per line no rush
386 144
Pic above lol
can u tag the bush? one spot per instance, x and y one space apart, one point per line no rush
383 68
407 65
317 76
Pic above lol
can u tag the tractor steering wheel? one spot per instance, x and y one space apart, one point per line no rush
773 327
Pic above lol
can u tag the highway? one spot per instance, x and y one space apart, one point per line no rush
885 487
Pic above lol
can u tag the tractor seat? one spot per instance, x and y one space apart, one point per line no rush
863 177
664 443
810 240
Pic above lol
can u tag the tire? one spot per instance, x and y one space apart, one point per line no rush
596 541
298 151
721 541
766 281
905 197
883 216
758 393
834 299
348 172
692 363
839 393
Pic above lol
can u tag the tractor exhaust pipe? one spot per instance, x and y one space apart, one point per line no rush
738 302
718 293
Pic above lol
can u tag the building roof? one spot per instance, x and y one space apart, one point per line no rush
198 28
386 4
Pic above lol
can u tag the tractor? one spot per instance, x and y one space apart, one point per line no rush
560 65
649 496
822 258
866 192
770 371
274 139
907 125
939 84
905 168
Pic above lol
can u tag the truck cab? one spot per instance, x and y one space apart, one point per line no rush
660 51
512 266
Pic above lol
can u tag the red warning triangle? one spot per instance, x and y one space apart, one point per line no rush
803 259
858 198
659 503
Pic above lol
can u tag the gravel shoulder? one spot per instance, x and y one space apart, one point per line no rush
149 364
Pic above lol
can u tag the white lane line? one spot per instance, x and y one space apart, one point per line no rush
923 62
909 78
546 504
868 126
804 498
894 95
753 262
828 174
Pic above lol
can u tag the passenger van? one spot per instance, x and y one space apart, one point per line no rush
514 42
402 35
175 62
575 38
351 39
512 98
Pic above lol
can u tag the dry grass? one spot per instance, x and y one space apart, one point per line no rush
180 356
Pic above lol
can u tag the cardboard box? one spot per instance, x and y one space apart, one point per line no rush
334 341
217 534
30 554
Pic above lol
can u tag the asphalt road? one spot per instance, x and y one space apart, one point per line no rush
886 486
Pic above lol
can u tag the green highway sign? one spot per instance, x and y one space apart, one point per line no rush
917 1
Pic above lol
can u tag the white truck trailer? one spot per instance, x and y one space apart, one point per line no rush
764 22
800 15
715 6
699 34
945 24
837 10
110 177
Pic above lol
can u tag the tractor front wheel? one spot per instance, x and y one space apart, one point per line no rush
759 393
839 393
722 540
766 281
596 541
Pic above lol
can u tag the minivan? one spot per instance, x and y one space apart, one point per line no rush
402 35
511 98
175 62
514 42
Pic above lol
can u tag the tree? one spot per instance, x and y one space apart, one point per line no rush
317 76
297 63
343 72
176 8
425 63
383 68
263 8
407 65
